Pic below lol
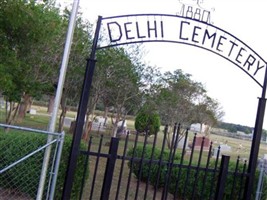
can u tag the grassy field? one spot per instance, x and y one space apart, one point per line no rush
99 169
238 146
41 120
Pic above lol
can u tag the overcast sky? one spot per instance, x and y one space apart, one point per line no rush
236 91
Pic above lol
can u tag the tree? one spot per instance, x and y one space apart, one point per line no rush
175 97
207 111
147 121
31 34
115 85
81 44
122 85
180 99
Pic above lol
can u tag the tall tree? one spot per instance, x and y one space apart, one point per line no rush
180 99
175 97
207 112
122 85
81 44
31 35
116 83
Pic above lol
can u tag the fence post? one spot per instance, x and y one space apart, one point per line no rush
78 131
261 180
113 149
222 177
57 164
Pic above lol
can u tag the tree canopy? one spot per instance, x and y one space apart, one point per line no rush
180 99
32 39
31 35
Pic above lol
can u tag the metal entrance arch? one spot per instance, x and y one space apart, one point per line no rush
129 29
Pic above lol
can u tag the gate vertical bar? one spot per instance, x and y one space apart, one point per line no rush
222 177
57 163
254 151
88 77
114 144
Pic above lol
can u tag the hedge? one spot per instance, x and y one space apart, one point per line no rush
24 177
187 177
147 122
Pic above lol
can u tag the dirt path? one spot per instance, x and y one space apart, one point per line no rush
7 194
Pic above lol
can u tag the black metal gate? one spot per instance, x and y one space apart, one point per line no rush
146 167
217 175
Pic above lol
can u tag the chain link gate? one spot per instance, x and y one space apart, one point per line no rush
21 158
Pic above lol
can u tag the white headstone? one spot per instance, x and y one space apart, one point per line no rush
32 111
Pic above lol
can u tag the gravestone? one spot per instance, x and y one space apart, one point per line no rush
198 143
224 148
32 111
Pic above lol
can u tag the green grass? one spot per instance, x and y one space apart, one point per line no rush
125 177
41 121
244 151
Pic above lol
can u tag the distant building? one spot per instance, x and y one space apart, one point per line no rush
244 135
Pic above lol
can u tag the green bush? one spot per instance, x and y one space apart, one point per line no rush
24 177
147 121
149 170
187 177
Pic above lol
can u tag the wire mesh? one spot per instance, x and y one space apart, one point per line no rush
21 158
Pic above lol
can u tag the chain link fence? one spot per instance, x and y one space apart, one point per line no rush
21 160
262 182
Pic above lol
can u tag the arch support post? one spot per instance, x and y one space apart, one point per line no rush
255 145
78 131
